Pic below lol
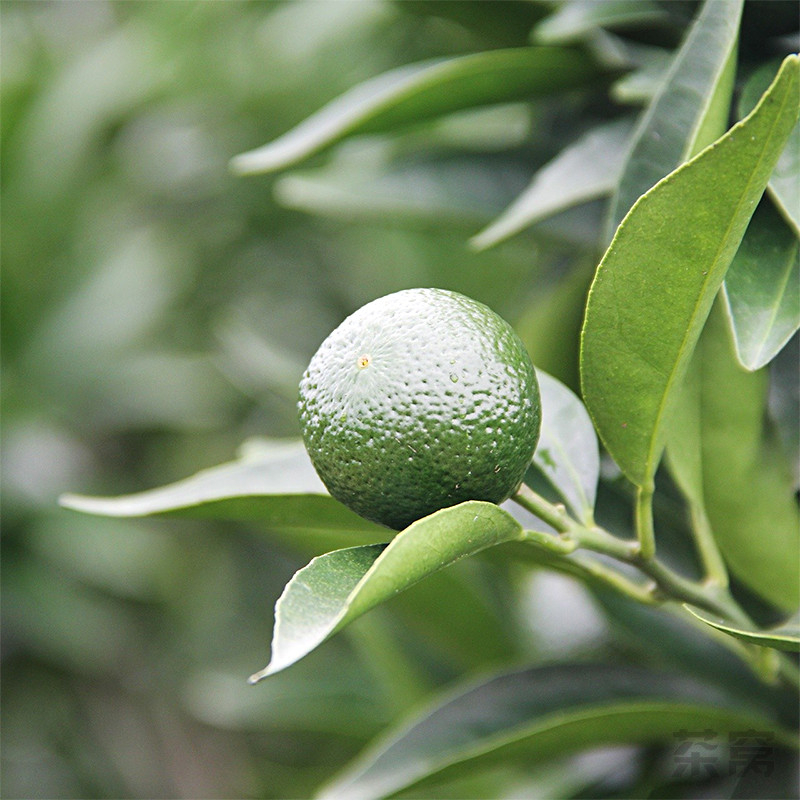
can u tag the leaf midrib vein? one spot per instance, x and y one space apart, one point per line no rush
651 455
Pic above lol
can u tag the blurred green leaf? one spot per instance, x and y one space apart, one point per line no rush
361 185
273 482
539 714
656 283
585 170
342 701
553 781
501 21
576 18
690 110
721 456
670 638
62 621
459 615
567 453
338 587
550 325
781 637
784 183
128 559
418 92
762 288
87 95
641 85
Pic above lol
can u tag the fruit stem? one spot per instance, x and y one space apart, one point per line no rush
557 553
555 516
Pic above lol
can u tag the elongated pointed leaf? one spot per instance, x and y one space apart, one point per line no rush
449 193
539 714
272 482
784 184
586 170
640 86
567 453
420 92
781 637
576 18
336 588
689 110
721 455
656 283
762 288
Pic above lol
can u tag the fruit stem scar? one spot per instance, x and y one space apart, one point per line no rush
363 361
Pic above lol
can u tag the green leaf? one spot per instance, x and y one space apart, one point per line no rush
784 185
336 588
272 482
536 715
668 637
762 288
420 92
781 637
361 185
689 110
722 458
642 84
567 453
584 171
576 18
656 283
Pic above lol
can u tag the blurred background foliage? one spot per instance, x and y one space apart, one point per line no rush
157 311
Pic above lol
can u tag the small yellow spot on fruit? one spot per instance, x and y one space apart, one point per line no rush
363 361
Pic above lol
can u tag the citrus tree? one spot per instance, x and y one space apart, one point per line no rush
620 180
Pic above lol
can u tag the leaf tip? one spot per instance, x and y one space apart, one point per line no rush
75 502
259 676
254 162
241 164
66 500
479 242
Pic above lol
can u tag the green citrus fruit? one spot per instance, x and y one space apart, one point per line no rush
420 400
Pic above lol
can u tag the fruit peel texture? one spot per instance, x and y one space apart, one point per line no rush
418 401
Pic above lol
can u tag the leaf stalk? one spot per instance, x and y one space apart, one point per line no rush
712 594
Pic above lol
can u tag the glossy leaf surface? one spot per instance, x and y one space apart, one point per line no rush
272 482
690 108
538 714
784 185
722 456
762 288
656 283
567 453
781 637
584 171
336 588
419 92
